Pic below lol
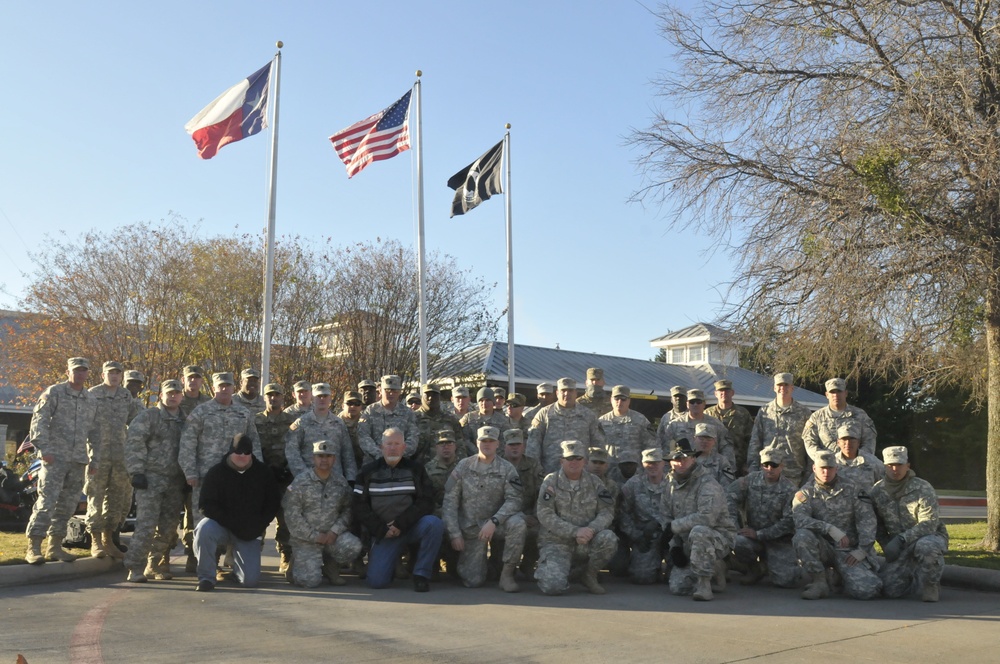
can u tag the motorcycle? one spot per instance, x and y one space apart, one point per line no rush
17 497
76 529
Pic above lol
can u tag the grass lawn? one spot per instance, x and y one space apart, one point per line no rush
13 545
963 546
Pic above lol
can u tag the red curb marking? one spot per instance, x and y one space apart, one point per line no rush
85 644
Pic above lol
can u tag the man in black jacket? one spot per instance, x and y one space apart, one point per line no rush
239 498
394 500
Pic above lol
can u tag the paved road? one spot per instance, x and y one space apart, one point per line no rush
103 619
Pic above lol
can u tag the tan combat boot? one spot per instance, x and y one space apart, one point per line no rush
331 570
507 582
55 551
719 578
930 592
97 549
158 568
703 589
109 546
589 581
817 589
285 559
33 556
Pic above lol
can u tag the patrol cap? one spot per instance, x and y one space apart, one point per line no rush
724 384
695 395
652 455
628 456
594 373
573 448
488 433
321 388
513 437
545 388
682 449
366 383
273 388
783 379
413 397
172 385
896 454
825 459
621 391
302 385
223 378
78 363
242 444
445 436
836 385
132 374
849 430
193 370
485 393
516 400
704 429
677 390
499 393
566 384
392 382
249 373
772 455
598 454
430 388
353 396
324 447
112 365
460 391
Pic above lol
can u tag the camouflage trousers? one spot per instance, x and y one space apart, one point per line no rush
157 514
703 546
779 556
59 486
309 557
921 562
555 559
472 563
816 554
109 497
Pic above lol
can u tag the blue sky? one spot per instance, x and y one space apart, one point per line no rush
97 95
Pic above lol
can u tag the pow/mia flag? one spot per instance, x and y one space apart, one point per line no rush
478 181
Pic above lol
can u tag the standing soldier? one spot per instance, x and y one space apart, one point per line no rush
60 423
911 534
272 426
639 518
317 507
320 424
594 397
862 468
351 415
530 472
515 413
500 400
387 413
192 398
108 489
546 395
430 420
678 402
134 382
249 395
779 424
482 503
684 424
737 419
562 420
627 432
303 393
486 416
369 392
575 511
151 448
413 401
820 432
460 403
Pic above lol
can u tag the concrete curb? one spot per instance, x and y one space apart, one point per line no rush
971 578
20 575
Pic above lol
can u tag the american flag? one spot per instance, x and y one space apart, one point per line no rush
381 136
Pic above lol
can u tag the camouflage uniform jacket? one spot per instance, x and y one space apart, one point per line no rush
820 432
352 431
272 428
439 473
376 418
115 409
310 429
767 508
314 507
428 424
208 435
598 402
739 423
719 467
477 492
565 506
699 501
554 424
188 404
630 433
843 505
531 475
297 411
154 442
470 424
683 427
61 421
864 470
781 427
641 500
912 514
255 405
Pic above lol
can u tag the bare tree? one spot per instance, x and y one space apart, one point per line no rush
846 154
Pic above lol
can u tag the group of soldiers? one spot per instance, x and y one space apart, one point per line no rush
498 491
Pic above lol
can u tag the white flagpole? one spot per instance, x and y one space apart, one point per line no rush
421 267
265 343
510 270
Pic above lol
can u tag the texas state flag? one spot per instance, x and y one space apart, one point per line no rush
238 112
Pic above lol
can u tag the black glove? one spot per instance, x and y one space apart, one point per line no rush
665 538
139 481
678 557
894 548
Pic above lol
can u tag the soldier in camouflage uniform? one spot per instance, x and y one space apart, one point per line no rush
134 382
697 525
460 404
249 395
209 432
515 413
761 503
562 420
369 392
594 397
430 420
683 426
151 448
438 470
413 401
717 465
642 497
678 404
60 423
862 468
626 431
530 472
779 424
320 424
317 508
546 395
737 419
109 492
486 416
303 394
911 534
835 527
351 414
500 400
820 432
575 511
193 397
272 427
482 503
387 413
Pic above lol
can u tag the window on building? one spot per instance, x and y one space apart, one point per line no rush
696 354
677 356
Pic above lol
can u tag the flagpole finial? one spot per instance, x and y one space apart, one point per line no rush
419 73
279 43
507 126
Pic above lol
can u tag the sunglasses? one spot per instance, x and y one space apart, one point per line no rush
769 465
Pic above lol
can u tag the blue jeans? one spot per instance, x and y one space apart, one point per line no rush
209 537
385 554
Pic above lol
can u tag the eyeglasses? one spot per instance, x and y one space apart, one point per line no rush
769 465
353 403
573 458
